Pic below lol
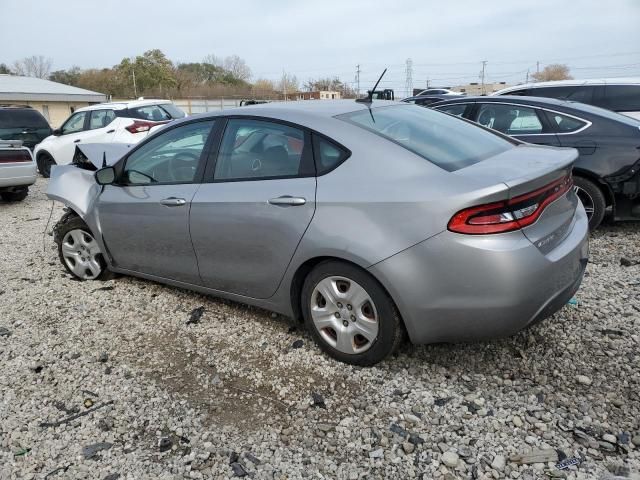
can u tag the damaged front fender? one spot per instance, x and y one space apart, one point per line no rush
74 187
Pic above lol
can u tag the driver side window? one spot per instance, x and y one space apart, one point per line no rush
171 157
74 124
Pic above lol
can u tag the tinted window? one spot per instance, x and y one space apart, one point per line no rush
456 110
151 112
449 142
75 123
622 98
170 157
101 118
509 119
174 111
18 118
576 93
564 124
253 149
524 91
328 155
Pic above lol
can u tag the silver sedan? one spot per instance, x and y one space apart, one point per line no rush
369 221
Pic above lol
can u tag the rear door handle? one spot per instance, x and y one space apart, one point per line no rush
287 200
173 202
76 141
110 131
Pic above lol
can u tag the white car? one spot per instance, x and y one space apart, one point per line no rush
621 95
121 122
438 91
17 171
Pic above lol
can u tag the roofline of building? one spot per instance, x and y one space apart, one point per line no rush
52 97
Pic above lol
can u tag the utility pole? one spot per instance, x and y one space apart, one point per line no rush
358 80
428 83
135 90
484 64
527 79
409 77
538 67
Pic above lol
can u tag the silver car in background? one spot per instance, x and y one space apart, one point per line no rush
367 220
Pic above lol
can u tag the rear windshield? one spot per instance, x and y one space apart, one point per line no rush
17 118
448 142
174 111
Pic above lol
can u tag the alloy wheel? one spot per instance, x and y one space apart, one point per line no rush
586 199
344 314
80 252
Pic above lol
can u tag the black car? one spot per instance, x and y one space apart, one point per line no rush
607 172
21 122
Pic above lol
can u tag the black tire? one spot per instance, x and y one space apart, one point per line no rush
390 327
593 200
70 221
45 162
15 195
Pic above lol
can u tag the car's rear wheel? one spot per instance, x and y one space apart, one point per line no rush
78 250
16 195
592 199
45 162
349 314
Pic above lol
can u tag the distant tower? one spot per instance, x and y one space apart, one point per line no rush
409 77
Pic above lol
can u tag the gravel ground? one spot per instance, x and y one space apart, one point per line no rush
106 380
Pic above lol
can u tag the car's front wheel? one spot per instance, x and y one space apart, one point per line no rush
16 195
78 250
349 314
45 162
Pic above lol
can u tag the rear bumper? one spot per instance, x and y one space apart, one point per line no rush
17 174
456 287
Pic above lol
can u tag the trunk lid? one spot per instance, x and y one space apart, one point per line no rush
525 169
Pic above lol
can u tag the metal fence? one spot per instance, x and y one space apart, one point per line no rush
200 105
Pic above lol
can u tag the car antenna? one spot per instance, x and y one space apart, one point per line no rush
369 97
104 159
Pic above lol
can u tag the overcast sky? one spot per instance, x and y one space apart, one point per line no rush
446 40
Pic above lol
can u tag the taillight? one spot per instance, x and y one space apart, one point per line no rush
139 126
509 215
14 156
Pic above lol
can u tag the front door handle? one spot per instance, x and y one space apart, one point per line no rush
173 202
76 141
110 131
287 200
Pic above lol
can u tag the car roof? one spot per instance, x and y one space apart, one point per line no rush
124 104
572 82
301 111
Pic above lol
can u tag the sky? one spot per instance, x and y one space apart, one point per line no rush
446 41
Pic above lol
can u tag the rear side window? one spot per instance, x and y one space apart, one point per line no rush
19 118
174 111
622 98
448 142
328 154
101 118
151 112
259 150
564 124
521 92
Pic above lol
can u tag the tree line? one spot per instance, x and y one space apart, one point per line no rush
153 74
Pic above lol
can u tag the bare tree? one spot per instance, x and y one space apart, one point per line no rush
554 71
288 83
35 66
212 59
237 67
263 86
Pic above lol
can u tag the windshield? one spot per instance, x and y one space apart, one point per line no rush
448 142
18 118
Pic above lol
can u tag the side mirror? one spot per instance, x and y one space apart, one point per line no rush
57 132
105 176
